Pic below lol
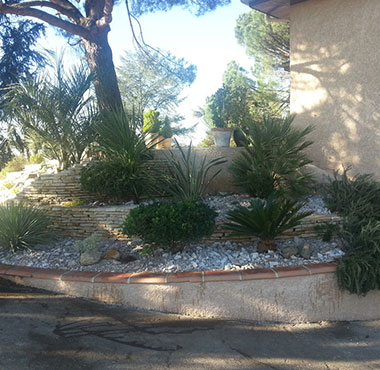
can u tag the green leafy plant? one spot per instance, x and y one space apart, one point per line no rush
188 176
357 198
16 164
114 179
359 195
274 159
75 203
89 244
56 112
326 231
36 159
358 274
8 184
265 219
22 226
166 131
122 173
171 223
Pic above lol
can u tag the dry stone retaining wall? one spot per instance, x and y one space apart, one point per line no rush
82 222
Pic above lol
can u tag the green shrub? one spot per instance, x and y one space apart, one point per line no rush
36 159
114 179
8 184
123 172
75 203
169 224
326 231
22 226
359 274
265 219
89 244
274 159
187 177
358 200
357 196
16 164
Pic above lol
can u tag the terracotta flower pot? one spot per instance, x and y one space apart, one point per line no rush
222 136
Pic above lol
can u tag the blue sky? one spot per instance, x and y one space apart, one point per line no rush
207 41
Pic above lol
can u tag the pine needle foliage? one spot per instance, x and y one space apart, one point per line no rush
274 159
188 176
22 226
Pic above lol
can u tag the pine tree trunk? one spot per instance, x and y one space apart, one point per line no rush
99 58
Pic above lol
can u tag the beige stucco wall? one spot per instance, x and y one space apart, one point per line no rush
335 80
295 299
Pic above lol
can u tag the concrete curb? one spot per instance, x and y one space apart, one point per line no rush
165 278
307 293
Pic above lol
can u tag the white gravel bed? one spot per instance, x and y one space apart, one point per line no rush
225 202
62 254
194 257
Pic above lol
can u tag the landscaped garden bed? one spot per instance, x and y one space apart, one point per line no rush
223 254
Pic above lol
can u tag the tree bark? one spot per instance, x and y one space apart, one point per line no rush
99 58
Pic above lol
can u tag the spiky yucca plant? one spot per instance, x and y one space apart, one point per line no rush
22 226
188 176
265 219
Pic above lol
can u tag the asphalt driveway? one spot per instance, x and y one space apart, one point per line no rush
42 330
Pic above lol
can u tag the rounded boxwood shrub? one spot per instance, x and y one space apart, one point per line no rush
22 226
171 223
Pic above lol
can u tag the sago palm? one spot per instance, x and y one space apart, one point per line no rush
265 219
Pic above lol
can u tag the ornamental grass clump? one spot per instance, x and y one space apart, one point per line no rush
170 224
274 159
265 219
22 226
358 200
187 177
122 173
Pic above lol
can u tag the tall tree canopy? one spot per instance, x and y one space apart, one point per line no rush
153 81
241 99
90 20
18 59
266 41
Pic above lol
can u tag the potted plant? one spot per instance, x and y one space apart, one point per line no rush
151 127
216 116
165 135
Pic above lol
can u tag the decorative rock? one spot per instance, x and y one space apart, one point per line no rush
90 257
290 251
305 251
112 254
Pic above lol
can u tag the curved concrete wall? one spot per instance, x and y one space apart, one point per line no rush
335 80
292 294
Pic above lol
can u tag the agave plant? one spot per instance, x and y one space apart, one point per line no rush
265 219
188 176
22 226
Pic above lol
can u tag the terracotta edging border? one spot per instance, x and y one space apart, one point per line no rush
166 278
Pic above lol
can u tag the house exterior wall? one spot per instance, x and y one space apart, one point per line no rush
335 80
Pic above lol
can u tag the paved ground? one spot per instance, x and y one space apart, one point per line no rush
40 330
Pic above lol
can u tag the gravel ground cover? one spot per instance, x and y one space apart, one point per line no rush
61 253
